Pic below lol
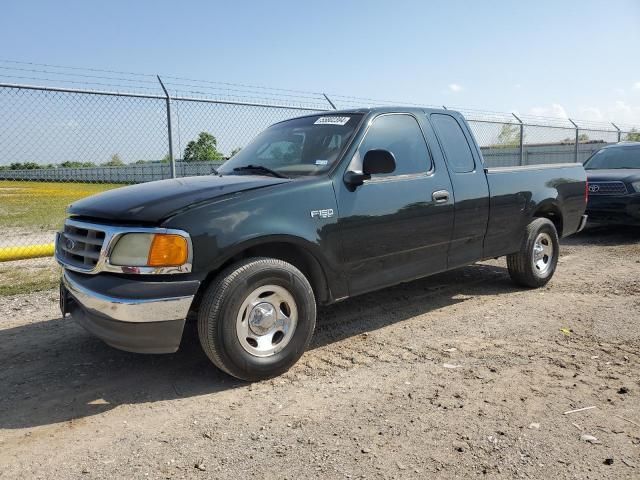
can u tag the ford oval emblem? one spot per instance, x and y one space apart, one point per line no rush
70 244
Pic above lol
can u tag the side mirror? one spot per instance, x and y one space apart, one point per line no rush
378 161
374 162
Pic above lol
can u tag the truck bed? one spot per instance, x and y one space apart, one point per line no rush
516 192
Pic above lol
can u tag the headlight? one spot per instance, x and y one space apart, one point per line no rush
636 186
150 250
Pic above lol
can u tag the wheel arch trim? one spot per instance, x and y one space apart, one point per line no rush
550 209
317 268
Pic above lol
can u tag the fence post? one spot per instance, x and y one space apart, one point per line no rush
619 131
577 140
172 163
521 138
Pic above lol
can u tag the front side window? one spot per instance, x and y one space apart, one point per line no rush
297 147
455 145
401 135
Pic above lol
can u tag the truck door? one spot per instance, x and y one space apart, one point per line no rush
393 228
471 191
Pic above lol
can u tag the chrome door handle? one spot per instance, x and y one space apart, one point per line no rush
440 196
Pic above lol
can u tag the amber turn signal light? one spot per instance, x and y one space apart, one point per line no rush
168 251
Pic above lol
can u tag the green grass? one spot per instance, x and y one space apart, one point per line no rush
36 206
14 281
41 205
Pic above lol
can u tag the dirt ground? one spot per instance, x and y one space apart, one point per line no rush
458 375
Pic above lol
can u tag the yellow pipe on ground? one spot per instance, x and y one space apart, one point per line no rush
8 254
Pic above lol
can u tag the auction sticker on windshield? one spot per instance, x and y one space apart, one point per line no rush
332 120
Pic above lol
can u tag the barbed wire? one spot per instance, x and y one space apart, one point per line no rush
102 84
316 96
76 68
102 77
130 82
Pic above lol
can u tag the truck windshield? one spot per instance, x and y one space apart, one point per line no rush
297 147
621 157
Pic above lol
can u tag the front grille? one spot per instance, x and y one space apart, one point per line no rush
607 188
79 246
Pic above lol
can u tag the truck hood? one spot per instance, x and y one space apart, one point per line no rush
621 174
154 201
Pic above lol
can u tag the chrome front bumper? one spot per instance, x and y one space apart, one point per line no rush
141 324
128 309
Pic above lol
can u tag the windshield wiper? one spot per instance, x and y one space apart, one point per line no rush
259 168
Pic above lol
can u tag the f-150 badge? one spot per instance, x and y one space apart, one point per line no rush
326 213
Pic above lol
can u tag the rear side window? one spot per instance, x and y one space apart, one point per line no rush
401 135
455 145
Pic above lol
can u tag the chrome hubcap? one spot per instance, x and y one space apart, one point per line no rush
542 253
267 320
262 318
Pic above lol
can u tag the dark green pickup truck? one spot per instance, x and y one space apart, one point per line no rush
314 210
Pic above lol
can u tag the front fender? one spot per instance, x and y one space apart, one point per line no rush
259 240
221 230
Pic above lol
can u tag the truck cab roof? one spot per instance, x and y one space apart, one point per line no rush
379 110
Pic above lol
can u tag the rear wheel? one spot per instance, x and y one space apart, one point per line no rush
257 318
535 263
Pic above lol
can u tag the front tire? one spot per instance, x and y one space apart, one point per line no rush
535 263
257 318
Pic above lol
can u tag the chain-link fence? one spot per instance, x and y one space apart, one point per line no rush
510 140
61 144
58 145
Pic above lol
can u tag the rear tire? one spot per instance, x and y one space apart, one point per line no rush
257 318
535 263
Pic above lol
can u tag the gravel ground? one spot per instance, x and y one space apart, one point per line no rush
457 375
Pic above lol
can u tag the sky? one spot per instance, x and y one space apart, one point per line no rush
549 58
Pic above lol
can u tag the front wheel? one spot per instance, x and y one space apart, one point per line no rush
535 263
257 318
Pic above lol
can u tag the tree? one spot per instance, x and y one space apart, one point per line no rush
115 161
582 138
25 166
69 164
234 151
633 135
204 149
509 136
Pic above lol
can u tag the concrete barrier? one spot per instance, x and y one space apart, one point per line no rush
146 172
